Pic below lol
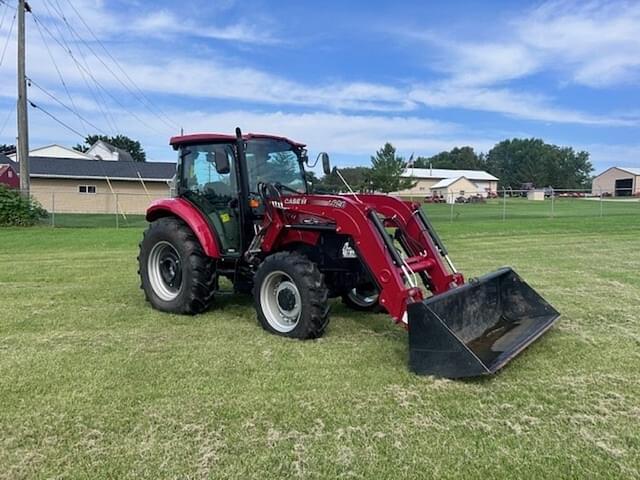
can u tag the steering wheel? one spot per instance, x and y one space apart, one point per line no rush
269 193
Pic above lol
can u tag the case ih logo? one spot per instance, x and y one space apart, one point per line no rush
337 203
295 201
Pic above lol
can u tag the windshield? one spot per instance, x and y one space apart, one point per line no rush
275 161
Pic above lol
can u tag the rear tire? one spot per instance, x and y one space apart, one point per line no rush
291 297
175 273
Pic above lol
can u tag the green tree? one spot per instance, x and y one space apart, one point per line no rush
523 160
358 179
386 168
459 158
121 141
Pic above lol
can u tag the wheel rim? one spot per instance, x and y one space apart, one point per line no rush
280 301
363 298
165 271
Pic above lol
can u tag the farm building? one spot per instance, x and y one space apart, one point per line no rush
427 178
452 188
76 185
9 176
617 181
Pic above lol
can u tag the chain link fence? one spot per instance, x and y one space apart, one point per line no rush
74 209
521 204
125 210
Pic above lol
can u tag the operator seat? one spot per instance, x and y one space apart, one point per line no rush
223 216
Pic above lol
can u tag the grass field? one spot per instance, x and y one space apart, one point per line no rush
95 384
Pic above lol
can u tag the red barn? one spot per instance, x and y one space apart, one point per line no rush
9 177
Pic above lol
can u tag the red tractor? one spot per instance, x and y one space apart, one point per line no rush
244 211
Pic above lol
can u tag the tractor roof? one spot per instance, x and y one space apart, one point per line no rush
222 138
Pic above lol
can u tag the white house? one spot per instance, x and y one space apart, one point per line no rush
426 179
452 188
105 151
55 151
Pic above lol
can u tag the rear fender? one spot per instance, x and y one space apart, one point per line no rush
185 211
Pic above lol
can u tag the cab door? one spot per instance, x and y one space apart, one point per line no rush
214 190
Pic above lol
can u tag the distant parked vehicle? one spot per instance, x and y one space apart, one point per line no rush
525 187
476 199
549 192
434 199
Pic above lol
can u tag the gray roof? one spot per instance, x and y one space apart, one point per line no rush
445 182
633 171
49 167
440 173
4 160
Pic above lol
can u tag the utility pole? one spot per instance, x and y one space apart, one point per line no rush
23 122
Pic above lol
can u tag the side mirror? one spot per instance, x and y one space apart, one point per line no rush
220 160
326 164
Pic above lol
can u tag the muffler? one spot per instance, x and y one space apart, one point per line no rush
477 328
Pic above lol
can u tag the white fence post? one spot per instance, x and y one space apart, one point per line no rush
504 204
452 202
53 209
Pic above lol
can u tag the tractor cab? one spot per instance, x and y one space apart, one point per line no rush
222 179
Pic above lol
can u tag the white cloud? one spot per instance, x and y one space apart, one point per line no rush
333 132
164 22
197 77
596 43
592 43
604 156
511 103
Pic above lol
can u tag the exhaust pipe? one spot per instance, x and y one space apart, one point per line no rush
477 328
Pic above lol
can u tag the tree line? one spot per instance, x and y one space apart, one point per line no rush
515 162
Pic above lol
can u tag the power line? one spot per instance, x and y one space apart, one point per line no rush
140 96
124 72
6 43
115 99
4 14
6 120
56 119
104 110
64 85
59 102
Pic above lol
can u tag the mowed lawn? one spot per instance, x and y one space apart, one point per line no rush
96 384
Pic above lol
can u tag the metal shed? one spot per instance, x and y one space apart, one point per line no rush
617 181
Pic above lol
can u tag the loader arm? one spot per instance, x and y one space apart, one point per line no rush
359 218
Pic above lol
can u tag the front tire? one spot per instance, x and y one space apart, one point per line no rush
175 273
291 296
363 299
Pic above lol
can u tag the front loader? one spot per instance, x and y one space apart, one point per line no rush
244 211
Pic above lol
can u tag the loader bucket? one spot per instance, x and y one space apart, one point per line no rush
477 328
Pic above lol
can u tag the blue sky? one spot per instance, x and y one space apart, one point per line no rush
344 77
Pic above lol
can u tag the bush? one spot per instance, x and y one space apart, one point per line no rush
18 211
